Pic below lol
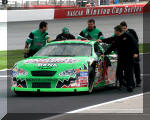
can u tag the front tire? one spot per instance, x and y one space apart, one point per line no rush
91 82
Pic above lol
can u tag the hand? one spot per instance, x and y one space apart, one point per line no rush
103 55
135 55
26 50
99 40
83 39
49 40
25 55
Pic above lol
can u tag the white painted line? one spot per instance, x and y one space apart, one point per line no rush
4 70
3 76
98 105
145 74
145 53
79 110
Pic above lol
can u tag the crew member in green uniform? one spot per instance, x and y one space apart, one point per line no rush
91 32
36 40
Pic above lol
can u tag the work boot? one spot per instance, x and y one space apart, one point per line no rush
138 84
130 89
120 87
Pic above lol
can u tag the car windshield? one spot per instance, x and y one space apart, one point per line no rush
66 49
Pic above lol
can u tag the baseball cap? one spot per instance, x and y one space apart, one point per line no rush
65 30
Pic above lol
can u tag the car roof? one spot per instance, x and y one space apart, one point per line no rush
74 41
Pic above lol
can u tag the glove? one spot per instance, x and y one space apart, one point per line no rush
26 50
25 55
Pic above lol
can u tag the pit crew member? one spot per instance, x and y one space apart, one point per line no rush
137 71
127 51
65 35
91 32
36 40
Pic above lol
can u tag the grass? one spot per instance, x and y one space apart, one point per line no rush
145 47
10 57
3 59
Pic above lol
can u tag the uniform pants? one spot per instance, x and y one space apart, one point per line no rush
124 74
137 72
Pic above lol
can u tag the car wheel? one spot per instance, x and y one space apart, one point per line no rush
91 82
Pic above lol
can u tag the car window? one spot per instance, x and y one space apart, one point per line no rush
66 49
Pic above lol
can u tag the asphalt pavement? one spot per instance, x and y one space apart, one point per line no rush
51 104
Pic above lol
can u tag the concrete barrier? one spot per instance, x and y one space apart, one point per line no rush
3 15
30 15
50 14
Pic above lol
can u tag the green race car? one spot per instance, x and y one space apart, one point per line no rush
65 66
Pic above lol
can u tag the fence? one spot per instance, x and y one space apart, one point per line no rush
31 4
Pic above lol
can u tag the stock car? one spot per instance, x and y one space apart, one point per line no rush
65 66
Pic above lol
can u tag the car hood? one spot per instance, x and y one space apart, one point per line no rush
54 63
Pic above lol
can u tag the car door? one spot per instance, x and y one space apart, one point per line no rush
99 68
110 73
105 72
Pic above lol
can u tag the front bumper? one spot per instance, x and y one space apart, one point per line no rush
81 89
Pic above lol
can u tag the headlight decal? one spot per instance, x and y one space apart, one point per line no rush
16 72
68 72
18 83
80 80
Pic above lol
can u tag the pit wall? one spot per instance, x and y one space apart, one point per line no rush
52 14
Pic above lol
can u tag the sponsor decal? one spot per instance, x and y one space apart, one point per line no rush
85 73
39 79
77 70
99 76
14 73
83 81
45 65
68 73
75 13
52 60
99 11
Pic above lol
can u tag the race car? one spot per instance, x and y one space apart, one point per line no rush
65 66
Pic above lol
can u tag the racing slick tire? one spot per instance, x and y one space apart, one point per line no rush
91 82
